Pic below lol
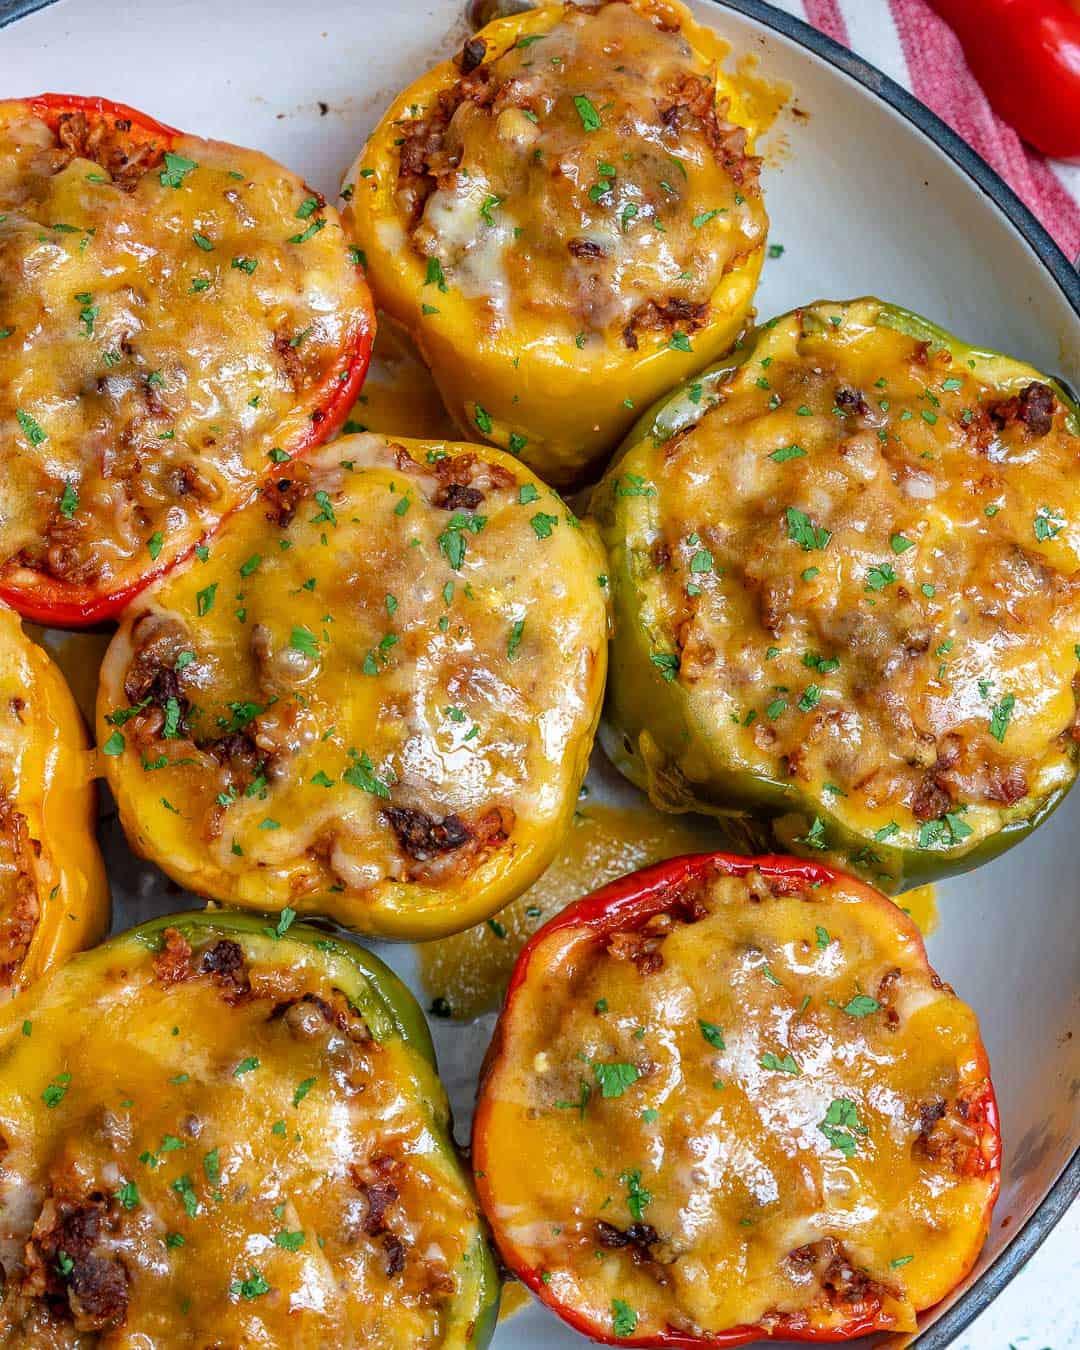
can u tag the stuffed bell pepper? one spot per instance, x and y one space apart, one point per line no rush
54 898
373 697
176 313
750 1109
221 1132
567 218
844 574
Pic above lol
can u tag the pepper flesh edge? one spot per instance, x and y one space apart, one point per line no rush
78 915
636 898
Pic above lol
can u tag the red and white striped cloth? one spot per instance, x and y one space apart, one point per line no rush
908 41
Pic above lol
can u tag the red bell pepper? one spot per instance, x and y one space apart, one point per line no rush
627 904
1026 56
64 603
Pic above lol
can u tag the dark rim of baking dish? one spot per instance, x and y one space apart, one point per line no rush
1066 1188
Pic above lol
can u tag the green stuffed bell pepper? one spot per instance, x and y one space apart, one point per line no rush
844 569
225 1131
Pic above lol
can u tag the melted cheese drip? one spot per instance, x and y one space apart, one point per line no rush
382 651
468 973
849 600
194 1104
575 151
147 375
732 1055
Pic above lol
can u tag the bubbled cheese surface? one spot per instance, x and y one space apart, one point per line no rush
764 1108
859 563
222 1142
588 178
163 330
375 696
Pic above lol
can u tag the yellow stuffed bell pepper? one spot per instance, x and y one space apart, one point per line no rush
374 698
54 898
567 218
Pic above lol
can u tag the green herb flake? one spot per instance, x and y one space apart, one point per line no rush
31 430
56 1091
1000 716
778 1064
623 1318
802 531
176 169
590 118
613 1079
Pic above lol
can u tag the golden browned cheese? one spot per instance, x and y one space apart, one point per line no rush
862 568
376 696
164 324
53 894
567 218
577 207
224 1142
760 1109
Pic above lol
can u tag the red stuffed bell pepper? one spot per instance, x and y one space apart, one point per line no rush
1026 56
180 318
750 1109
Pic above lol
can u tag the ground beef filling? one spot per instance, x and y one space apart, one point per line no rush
684 110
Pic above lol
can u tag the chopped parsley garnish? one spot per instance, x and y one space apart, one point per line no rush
712 1033
31 430
623 1318
667 663
777 1064
590 118
999 718
56 1091
877 578
1048 524
252 1287
862 1005
312 230
175 170
841 1125
361 774
614 1079
637 1197
803 531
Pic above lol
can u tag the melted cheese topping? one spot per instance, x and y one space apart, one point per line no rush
250 1157
857 563
379 708
162 331
53 896
763 1109
587 176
